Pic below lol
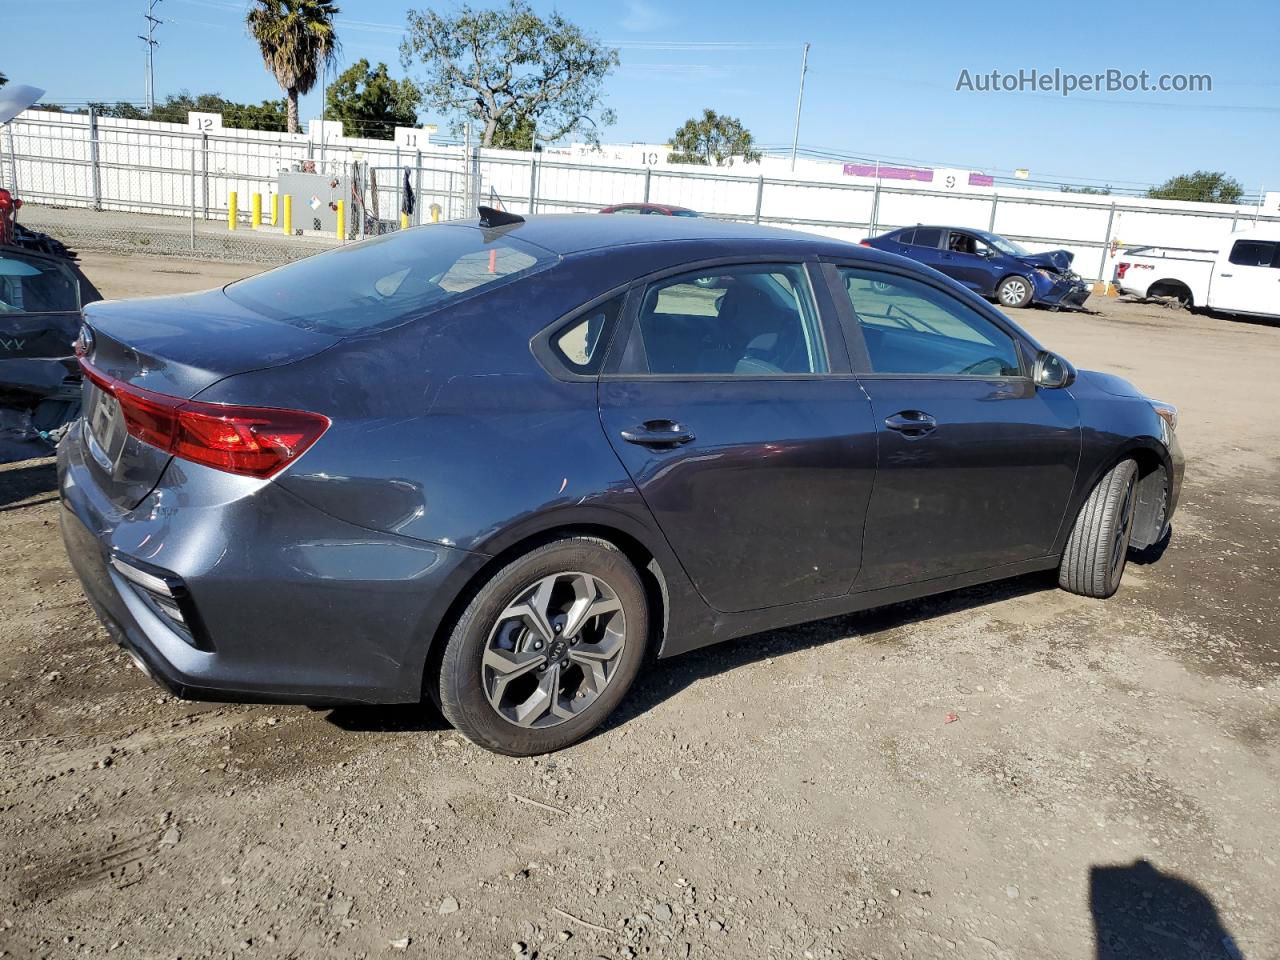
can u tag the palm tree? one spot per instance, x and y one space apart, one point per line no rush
297 37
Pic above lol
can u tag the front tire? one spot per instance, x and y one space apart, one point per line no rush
546 649
1098 547
1015 291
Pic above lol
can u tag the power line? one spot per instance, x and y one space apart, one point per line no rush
149 78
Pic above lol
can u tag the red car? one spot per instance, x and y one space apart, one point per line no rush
664 209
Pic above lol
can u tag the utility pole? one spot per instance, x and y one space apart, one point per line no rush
795 140
149 79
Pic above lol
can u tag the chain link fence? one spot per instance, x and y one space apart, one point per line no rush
139 186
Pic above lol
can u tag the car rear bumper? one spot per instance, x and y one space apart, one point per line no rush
288 604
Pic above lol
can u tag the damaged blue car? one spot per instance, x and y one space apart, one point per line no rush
992 266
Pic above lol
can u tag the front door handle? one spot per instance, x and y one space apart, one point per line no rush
912 424
658 433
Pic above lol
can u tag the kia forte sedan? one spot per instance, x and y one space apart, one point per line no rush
500 463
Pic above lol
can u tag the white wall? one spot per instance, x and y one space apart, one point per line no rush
147 167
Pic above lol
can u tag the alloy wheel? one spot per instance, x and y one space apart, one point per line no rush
1013 292
553 649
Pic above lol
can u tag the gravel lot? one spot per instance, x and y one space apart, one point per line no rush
1002 772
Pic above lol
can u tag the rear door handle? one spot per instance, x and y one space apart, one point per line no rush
912 423
658 433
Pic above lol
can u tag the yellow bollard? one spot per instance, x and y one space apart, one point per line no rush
435 213
288 215
255 215
275 209
404 221
342 220
231 210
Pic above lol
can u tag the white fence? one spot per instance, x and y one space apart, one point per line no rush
74 160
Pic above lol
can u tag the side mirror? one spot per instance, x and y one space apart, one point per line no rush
1053 371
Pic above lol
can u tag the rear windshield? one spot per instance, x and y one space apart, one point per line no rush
31 284
383 282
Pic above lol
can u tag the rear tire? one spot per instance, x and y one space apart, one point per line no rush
1015 291
1098 547
530 667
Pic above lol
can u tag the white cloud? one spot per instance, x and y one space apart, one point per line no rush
643 17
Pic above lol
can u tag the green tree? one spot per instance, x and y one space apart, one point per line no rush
511 70
712 139
371 103
268 115
297 38
514 134
1202 185
3 79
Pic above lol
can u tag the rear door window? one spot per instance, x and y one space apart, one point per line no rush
756 320
927 237
383 282
1255 253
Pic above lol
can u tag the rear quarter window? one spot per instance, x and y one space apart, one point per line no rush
381 283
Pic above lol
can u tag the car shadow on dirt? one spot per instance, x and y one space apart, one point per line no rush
394 718
663 679
21 482
1143 913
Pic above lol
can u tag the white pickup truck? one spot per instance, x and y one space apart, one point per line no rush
1243 277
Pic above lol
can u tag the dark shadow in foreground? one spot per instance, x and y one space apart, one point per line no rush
1142 913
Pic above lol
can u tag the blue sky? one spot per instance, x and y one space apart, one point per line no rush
881 82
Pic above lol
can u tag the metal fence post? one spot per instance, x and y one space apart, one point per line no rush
466 168
1106 245
533 173
648 176
13 162
873 226
477 187
204 176
759 196
991 224
95 177
417 186
193 198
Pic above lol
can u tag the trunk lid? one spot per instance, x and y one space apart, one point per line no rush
178 346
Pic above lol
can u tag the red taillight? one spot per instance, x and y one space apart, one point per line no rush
864 243
251 441
1121 270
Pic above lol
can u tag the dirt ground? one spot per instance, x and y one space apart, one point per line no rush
1109 786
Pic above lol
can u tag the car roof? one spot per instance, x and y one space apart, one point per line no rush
646 204
575 233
